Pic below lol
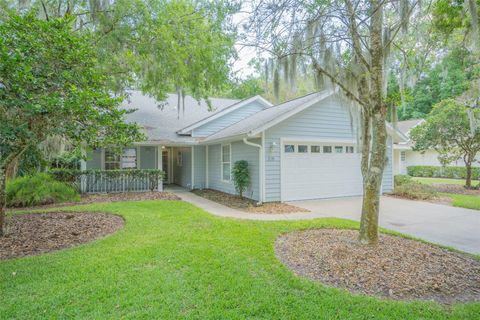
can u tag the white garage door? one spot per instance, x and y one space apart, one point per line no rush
320 170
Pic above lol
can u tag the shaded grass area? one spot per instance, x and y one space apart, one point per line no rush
175 261
439 180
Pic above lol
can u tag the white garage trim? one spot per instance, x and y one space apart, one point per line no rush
353 189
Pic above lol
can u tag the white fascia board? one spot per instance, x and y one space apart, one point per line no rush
225 111
290 113
396 134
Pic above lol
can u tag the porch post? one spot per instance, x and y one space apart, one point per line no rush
159 167
83 167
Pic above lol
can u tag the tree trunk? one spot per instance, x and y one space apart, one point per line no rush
372 182
374 153
468 180
3 200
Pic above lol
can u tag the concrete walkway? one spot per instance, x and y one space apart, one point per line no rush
455 227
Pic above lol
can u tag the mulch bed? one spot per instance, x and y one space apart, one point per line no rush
397 268
38 233
110 197
245 204
455 189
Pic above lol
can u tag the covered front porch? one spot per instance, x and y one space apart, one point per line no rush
176 161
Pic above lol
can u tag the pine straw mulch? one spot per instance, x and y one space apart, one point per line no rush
38 233
245 204
397 268
109 197
455 189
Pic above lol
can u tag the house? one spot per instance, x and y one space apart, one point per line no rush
301 149
404 156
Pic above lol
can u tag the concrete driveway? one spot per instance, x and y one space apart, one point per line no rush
455 227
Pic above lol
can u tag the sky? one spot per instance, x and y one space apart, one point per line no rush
245 53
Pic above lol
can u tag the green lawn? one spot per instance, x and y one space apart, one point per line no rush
465 201
175 261
440 180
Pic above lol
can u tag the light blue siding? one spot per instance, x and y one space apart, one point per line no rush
199 167
325 120
227 120
387 182
148 157
240 151
328 119
182 174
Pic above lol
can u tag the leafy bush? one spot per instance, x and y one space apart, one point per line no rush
38 189
414 190
402 179
441 172
241 176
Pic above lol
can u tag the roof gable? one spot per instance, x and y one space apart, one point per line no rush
256 99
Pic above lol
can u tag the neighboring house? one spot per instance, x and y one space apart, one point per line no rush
404 156
305 148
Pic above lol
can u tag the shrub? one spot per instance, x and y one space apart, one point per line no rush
442 172
402 179
38 189
241 176
414 190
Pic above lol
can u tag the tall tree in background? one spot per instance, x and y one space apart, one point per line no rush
50 86
348 44
158 46
447 130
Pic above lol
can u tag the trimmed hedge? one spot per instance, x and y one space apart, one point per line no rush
442 172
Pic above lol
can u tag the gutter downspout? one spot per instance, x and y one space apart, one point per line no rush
261 166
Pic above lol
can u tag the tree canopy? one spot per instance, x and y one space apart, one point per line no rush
449 131
50 86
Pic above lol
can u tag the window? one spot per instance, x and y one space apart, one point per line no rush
315 149
226 171
327 149
349 149
179 158
302 148
403 155
338 149
289 148
129 158
112 160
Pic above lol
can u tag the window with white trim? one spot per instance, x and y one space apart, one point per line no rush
289 148
315 149
129 158
338 149
327 149
403 156
111 160
226 162
349 149
302 148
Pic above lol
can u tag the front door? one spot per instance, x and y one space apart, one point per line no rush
165 165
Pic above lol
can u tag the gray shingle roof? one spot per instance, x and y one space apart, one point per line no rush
405 126
161 124
263 117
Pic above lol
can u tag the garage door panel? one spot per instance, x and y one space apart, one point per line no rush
320 175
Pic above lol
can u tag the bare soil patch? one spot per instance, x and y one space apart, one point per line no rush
110 197
397 268
38 233
245 204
